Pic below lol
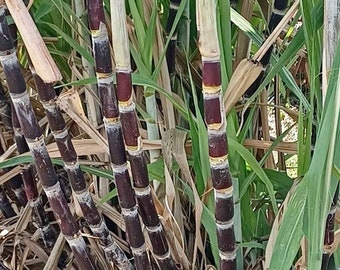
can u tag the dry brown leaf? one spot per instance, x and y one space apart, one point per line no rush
276 32
35 247
169 141
243 41
42 61
71 104
243 77
265 128
104 264
53 259
180 157
9 175
24 218
110 212
286 147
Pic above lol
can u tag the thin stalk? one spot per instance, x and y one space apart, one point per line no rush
5 206
16 185
16 182
40 218
217 137
132 137
276 16
102 55
36 144
5 110
93 109
71 164
171 50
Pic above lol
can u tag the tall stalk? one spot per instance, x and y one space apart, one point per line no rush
84 39
279 9
102 55
16 185
36 144
132 138
15 182
5 206
71 164
5 110
171 50
217 138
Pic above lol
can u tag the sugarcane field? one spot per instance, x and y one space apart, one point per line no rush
169 134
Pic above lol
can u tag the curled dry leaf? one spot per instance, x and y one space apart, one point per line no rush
243 77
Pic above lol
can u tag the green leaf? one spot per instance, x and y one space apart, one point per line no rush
250 159
290 232
73 43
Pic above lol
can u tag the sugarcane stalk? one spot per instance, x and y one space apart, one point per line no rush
132 137
95 220
39 215
102 55
276 16
5 110
93 109
16 185
5 206
36 144
217 137
171 50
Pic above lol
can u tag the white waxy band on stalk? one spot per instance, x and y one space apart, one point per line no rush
53 191
225 225
143 191
130 212
118 169
227 256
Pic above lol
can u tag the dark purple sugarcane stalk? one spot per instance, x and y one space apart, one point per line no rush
71 164
102 55
5 205
39 215
278 13
15 182
5 110
132 138
171 50
217 137
16 185
35 140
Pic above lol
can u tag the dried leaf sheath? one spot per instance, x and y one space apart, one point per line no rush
76 177
35 140
217 139
102 55
132 137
